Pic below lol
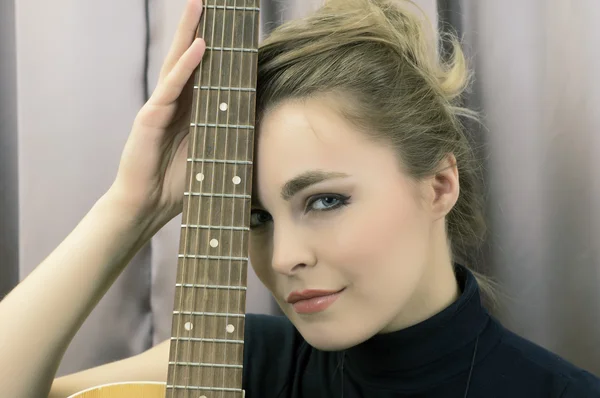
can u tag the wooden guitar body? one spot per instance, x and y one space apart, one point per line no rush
125 390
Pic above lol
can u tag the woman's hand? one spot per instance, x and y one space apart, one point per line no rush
151 177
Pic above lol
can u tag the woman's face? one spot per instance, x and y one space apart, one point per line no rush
335 217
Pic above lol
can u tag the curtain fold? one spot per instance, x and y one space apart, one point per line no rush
9 186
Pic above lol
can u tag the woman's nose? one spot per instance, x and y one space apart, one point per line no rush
291 251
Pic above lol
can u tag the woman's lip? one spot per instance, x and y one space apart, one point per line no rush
316 304
309 294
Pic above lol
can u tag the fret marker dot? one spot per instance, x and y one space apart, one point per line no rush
188 326
223 106
230 328
236 180
214 243
200 177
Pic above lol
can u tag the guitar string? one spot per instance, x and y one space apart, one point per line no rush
232 233
249 146
246 177
214 320
237 136
193 131
208 57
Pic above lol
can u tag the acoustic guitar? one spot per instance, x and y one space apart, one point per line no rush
207 332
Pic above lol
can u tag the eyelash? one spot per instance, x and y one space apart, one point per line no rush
342 201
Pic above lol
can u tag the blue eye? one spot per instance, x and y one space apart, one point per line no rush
259 218
326 202
318 203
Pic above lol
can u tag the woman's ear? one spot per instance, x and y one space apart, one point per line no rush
444 187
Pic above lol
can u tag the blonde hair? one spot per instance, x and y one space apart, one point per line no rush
383 56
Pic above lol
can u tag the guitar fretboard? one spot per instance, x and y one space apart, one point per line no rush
207 342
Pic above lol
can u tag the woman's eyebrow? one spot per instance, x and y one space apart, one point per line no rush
306 179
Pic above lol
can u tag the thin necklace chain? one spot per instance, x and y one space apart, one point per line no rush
472 366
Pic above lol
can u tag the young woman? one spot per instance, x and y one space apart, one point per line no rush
366 192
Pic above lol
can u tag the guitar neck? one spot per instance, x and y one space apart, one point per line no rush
207 337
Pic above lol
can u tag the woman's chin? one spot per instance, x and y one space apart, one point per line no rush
335 344
333 336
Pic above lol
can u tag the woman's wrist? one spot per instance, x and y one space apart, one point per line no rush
133 220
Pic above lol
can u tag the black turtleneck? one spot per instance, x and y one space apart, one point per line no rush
460 352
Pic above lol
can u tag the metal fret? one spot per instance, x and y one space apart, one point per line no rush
251 90
209 365
239 50
221 227
204 340
221 314
217 195
219 161
232 126
201 286
205 257
238 8
205 388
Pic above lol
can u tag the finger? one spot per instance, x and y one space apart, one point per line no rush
170 88
185 34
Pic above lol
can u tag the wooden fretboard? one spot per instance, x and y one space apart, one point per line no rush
207 343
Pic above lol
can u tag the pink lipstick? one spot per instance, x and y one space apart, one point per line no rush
312 301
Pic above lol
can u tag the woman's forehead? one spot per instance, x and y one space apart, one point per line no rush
299 137
308 125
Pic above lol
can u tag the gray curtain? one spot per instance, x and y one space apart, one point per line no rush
9 192
535 67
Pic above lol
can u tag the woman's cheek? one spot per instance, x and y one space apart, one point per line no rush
356 241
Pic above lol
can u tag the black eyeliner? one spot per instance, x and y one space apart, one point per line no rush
343 199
